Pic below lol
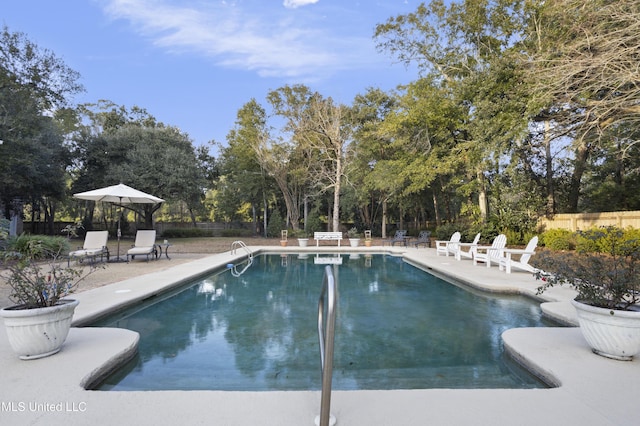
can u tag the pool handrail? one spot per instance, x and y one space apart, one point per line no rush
326 334
234 246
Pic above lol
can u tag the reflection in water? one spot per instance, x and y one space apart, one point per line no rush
397 328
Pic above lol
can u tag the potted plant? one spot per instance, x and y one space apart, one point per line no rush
39 323
283 237
303 238
354 237
367 238
604 272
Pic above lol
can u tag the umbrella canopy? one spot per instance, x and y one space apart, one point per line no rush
121 194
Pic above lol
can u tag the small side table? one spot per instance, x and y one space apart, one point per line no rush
166 249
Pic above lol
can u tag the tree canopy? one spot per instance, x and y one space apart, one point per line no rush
522 108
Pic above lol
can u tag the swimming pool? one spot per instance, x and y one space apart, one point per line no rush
398 327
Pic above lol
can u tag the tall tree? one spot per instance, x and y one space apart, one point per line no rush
456 45
586 71
246 179
281 151
326 133
33 154
137 150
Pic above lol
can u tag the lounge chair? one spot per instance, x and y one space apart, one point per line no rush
95 244
424 237
467 253
145 244
446 247
492 253
399 237
522 264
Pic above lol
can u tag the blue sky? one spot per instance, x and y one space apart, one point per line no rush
193 63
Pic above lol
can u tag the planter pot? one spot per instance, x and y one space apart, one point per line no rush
283 243
610 333
302 242
367 243
354 242
40 332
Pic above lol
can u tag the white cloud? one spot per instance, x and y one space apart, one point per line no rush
292 4
268 42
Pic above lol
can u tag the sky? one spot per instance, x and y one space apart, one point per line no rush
192 64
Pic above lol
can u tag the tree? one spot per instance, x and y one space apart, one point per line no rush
280 151
33 155
142 153
456 46
590 63
586 72
49 80
245 178
368 112
326 134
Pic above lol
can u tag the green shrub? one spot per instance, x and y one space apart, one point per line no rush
558 239
38 246
275 225
237 232
607 240
186 233
443 232
591 240
514 237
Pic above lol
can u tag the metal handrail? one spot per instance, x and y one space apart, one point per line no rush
326 333
241 244
234 246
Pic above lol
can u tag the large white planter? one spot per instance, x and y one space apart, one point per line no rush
303 242
610 333
355 242
40 332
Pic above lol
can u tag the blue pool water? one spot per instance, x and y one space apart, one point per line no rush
398 327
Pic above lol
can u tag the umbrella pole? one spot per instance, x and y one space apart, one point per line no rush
119 234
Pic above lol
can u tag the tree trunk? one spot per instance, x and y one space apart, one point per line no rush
551 196
305 208
384 219
482 197
336 195
582 154
266 216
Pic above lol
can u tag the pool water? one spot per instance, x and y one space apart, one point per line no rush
397 327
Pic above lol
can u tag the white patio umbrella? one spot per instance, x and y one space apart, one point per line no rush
119 194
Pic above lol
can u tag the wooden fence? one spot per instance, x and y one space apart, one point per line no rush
582 221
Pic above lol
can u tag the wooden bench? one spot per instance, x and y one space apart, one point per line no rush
331 236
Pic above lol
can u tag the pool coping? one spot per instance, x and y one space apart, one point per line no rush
592 390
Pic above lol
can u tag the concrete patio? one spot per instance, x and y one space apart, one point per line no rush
591 390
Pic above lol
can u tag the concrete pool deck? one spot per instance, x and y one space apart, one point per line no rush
591 390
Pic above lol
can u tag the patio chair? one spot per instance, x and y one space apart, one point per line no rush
145 244
446 247
424 237
95 244
492 253
399 237
468 254
523 263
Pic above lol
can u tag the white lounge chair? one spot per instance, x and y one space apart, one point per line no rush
492 253
446 247
522 264
145 244
95 244
468 253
